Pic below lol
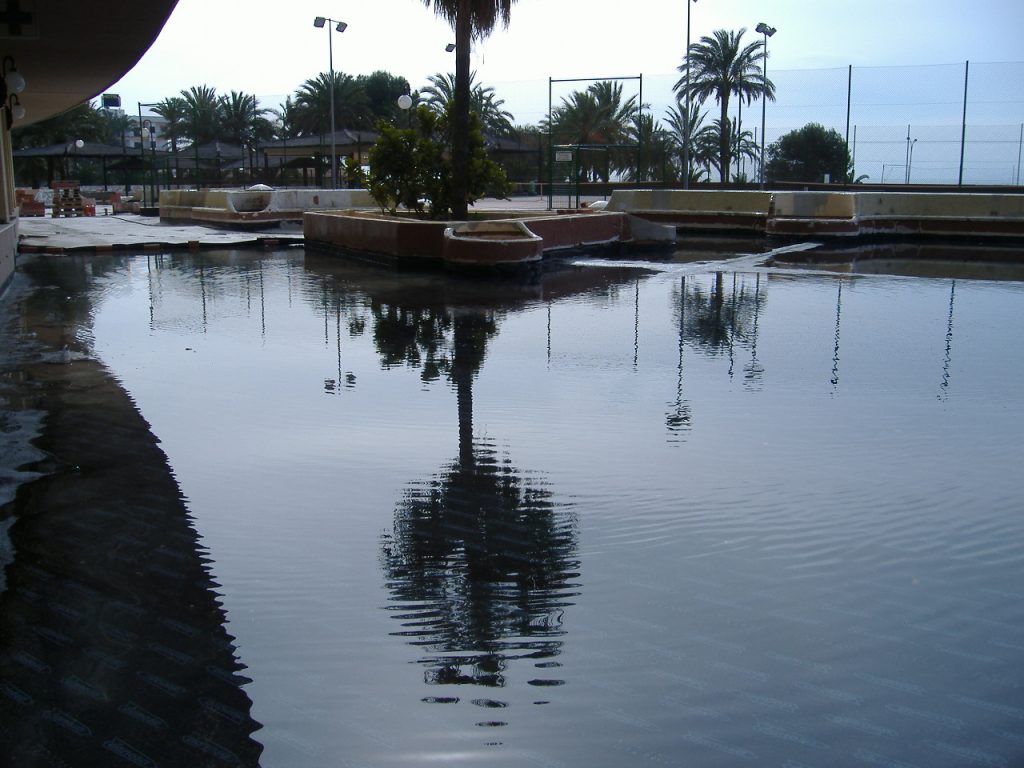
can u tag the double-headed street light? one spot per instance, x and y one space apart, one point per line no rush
910 156
767 31
340 26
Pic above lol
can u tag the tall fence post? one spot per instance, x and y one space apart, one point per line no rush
640 133
906 166
1020 145
551 149
853 169
963 125
849 92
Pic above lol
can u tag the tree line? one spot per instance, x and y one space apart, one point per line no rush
638 146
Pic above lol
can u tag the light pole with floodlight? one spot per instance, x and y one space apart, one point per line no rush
319 22
910 159
767 31
689 128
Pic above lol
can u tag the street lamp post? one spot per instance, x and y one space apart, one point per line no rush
767 31
142 143
152 150
689 128
340 26
405 104
910 158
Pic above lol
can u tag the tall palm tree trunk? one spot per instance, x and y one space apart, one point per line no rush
723 140
460 111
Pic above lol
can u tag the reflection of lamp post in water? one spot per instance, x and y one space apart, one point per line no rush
944 386
835 348
754 370
679 418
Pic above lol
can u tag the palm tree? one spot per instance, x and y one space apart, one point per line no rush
495 121
175 111
239 113
619 121
313 104
655 145
595 116
470 19
719 67
286 124
683 126
203 120
618 113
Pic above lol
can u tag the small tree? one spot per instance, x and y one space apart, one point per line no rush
412 167
807 154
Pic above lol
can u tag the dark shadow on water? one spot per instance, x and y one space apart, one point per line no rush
113 647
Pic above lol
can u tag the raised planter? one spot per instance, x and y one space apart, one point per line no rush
506 241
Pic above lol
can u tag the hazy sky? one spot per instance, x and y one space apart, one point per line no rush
270 48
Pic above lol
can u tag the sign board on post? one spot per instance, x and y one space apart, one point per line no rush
563 156
111 101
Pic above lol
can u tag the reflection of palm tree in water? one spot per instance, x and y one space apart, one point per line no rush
715 322
679 418
480 564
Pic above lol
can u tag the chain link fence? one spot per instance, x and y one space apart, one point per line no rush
928 124
944 108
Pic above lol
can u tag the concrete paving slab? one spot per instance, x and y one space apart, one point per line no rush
130 232
138 233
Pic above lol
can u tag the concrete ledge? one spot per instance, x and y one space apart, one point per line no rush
697 210
248 207
831 214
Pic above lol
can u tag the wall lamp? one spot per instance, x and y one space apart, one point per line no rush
12 82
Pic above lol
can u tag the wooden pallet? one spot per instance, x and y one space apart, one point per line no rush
67 199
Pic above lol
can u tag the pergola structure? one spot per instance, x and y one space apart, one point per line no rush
313 151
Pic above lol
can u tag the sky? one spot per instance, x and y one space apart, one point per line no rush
907 57
270 48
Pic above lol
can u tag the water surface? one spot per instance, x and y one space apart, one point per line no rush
702 514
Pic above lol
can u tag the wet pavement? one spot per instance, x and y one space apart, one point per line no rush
131 232
134 233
